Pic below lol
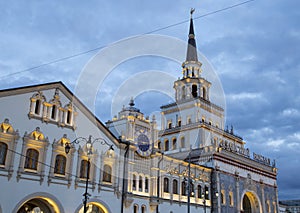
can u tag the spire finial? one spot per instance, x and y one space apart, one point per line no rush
192 11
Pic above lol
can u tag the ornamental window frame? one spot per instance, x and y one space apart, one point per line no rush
8 137
34 140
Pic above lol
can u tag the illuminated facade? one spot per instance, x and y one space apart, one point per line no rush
192 162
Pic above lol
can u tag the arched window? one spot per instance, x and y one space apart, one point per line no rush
134 182
203 92
166 184
146 184
223 201
32 157
135 208
199 192
183 188
60 164
206 191
140 183
174 143
192 190
175 186
183 92
37 107
143 209
231 199
3 153
194 91
53 112
159 145
69 117
84 167
182 142
167 145
107 173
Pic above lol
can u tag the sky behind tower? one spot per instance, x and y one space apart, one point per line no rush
254 49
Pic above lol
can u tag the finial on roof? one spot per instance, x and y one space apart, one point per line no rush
131 103
192 11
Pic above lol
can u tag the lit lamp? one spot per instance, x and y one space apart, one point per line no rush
89 146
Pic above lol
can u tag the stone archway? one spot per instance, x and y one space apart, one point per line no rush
250 203
39 202
95 206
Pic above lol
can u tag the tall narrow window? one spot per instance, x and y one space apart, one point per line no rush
134 182
166 145
37 107
230 198
166 184
135 208
194 91
146 184
204 93
143 209
182 142
179 123
175 187
170 125
199 192
3 153
183 188
174 143
107 173
140 183
69 114
183 92
159 145
223 201
53 112
32 157
60 164
84 169
192 190
206 193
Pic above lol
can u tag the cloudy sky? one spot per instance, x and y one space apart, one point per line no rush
253 48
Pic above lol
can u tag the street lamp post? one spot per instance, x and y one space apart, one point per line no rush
89 145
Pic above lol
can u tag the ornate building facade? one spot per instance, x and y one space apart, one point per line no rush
193 163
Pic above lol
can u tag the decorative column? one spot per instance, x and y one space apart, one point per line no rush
238 198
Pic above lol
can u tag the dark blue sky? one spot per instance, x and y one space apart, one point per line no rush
254 49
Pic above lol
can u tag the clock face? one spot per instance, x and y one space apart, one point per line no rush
143 143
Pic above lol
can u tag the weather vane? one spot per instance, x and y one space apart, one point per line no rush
192 11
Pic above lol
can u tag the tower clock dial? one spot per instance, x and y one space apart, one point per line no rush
143 145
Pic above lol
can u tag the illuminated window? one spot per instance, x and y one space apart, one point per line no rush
60 164
84 166
3 152
223 200
206 191
175 187
166 184
32 157
231 199
107 173
192 190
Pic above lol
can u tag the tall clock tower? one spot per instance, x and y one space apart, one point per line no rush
192 109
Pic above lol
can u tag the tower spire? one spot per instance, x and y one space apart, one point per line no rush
192 48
